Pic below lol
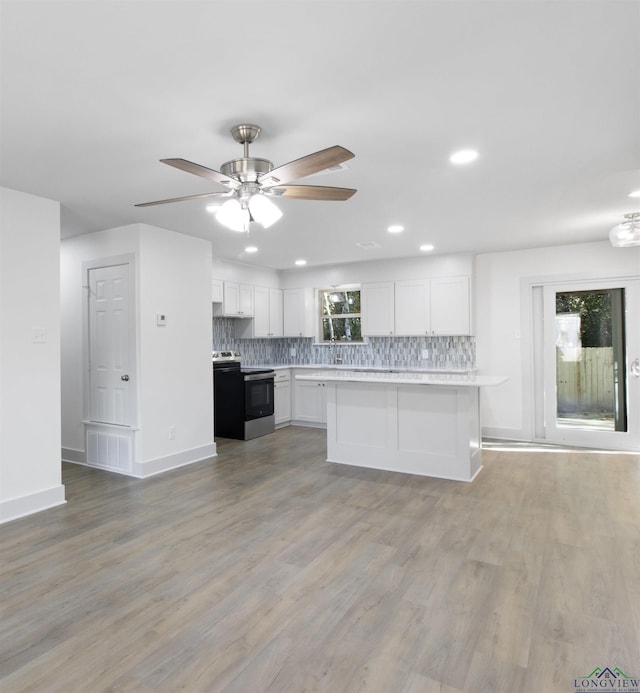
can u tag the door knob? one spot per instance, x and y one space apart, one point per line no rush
635 368
124 377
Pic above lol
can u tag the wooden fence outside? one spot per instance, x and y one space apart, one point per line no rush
586 385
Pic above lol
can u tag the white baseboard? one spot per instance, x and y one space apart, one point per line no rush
143 470
14 508
75 456
505 433
308 424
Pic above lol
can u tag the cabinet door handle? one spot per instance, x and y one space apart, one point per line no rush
124 377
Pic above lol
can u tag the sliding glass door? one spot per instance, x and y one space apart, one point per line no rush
591 346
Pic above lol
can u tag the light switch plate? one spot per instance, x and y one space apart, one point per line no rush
38 335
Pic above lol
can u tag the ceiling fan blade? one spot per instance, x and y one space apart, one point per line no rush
307 165
203 171
312 192
181 199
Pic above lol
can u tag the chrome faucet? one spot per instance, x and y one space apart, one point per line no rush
336 359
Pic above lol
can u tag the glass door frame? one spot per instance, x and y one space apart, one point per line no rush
547 428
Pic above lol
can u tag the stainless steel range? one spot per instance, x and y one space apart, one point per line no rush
243 398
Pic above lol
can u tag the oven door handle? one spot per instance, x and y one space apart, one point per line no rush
259 376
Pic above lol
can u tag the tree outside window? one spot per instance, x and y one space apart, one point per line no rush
340 315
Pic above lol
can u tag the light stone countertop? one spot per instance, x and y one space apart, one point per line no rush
405 377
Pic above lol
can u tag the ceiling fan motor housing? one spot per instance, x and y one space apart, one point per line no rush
247 169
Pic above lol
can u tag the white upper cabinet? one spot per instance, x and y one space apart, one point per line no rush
299 312
216 291
261 311
246 300
237 301
267 315
417 307
450 306
412 307
275 313
376 305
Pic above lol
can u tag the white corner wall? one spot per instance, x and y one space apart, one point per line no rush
175 379
30 469
502 320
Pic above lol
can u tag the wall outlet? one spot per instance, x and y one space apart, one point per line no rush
172 432
424 353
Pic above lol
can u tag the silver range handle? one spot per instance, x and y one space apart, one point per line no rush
258 376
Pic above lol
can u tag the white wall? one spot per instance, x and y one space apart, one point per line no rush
228 270
174 375
30 470
175 361
376 271
503 320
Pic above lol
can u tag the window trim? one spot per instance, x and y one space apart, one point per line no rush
320 316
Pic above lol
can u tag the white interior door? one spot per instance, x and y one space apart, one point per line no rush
591 347
110 361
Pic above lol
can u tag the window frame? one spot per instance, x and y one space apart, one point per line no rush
321 316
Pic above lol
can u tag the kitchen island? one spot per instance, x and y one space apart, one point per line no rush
416 423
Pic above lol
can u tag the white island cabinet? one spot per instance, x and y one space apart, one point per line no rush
416 423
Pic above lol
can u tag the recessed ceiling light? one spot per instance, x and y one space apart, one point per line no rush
395 228
464 156
301 262
425 248
635 193
251 249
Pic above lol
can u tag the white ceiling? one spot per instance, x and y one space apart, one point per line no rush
94 93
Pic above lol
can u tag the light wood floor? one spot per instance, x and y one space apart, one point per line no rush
268 569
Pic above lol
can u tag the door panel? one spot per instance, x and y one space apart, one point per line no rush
109 345
591 337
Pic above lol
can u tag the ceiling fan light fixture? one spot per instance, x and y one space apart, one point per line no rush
263 210
627 233
233 216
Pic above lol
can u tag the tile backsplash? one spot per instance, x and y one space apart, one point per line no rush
443 352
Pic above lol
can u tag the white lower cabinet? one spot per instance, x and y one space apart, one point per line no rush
310 403
282 397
